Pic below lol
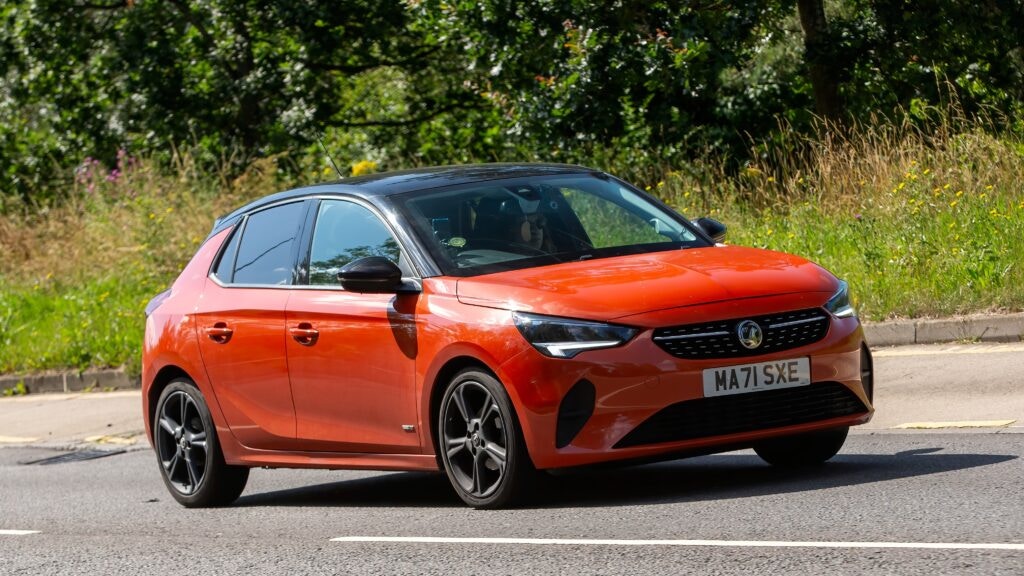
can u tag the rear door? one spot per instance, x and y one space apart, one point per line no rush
241 324
352 356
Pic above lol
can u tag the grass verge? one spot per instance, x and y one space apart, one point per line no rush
919 224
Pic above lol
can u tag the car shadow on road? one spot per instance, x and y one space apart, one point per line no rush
403 489
726 476
717 477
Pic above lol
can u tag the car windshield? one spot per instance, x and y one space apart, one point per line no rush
512 224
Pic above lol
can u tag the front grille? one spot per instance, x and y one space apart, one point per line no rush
718 339
718 415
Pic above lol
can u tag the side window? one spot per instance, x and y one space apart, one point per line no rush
609 224
346 231
265 252
226 264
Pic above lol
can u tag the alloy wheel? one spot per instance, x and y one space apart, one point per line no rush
476 439
182 442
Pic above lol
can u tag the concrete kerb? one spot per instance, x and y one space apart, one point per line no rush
116 379
975 328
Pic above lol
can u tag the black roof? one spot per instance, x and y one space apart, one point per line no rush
398 182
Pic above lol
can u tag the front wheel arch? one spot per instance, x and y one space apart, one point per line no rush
444 376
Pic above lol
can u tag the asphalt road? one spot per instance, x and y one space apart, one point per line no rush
895 501
113 516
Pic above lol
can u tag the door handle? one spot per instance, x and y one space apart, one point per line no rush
304 334
219 333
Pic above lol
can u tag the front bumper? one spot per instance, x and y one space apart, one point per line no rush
648 403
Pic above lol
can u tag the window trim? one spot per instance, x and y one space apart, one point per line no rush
235 232
240 229
415 279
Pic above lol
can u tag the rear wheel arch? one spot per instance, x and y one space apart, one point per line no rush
162 380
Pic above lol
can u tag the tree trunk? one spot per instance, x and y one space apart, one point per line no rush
823 75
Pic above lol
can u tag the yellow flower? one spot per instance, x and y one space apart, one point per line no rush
661 183
954 203
771 179
364 167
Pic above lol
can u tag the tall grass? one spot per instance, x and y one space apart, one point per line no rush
75 277
920 224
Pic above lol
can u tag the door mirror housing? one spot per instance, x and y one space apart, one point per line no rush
371 275
711 227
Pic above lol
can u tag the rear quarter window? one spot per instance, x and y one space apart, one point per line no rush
226 265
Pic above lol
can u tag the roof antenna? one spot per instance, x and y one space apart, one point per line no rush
319 138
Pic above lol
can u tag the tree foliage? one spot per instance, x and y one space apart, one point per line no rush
432 81
230 78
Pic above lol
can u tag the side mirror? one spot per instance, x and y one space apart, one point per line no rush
711 227
373 275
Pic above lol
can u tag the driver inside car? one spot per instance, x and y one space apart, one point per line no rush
515 219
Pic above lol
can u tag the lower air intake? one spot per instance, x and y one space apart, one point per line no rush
716 416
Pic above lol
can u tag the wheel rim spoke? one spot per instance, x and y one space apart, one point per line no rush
193 474
184 407
455 445
171 465
169 426
496 453
460 403
488 405
478 474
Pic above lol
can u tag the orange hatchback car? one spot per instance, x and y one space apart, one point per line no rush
489 321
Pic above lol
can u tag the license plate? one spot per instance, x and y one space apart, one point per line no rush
745 378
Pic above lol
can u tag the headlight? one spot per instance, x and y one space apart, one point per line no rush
839 304
565 337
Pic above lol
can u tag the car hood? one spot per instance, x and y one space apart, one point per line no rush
609 288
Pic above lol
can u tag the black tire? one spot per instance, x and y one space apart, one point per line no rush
480 444
188 452
810 449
